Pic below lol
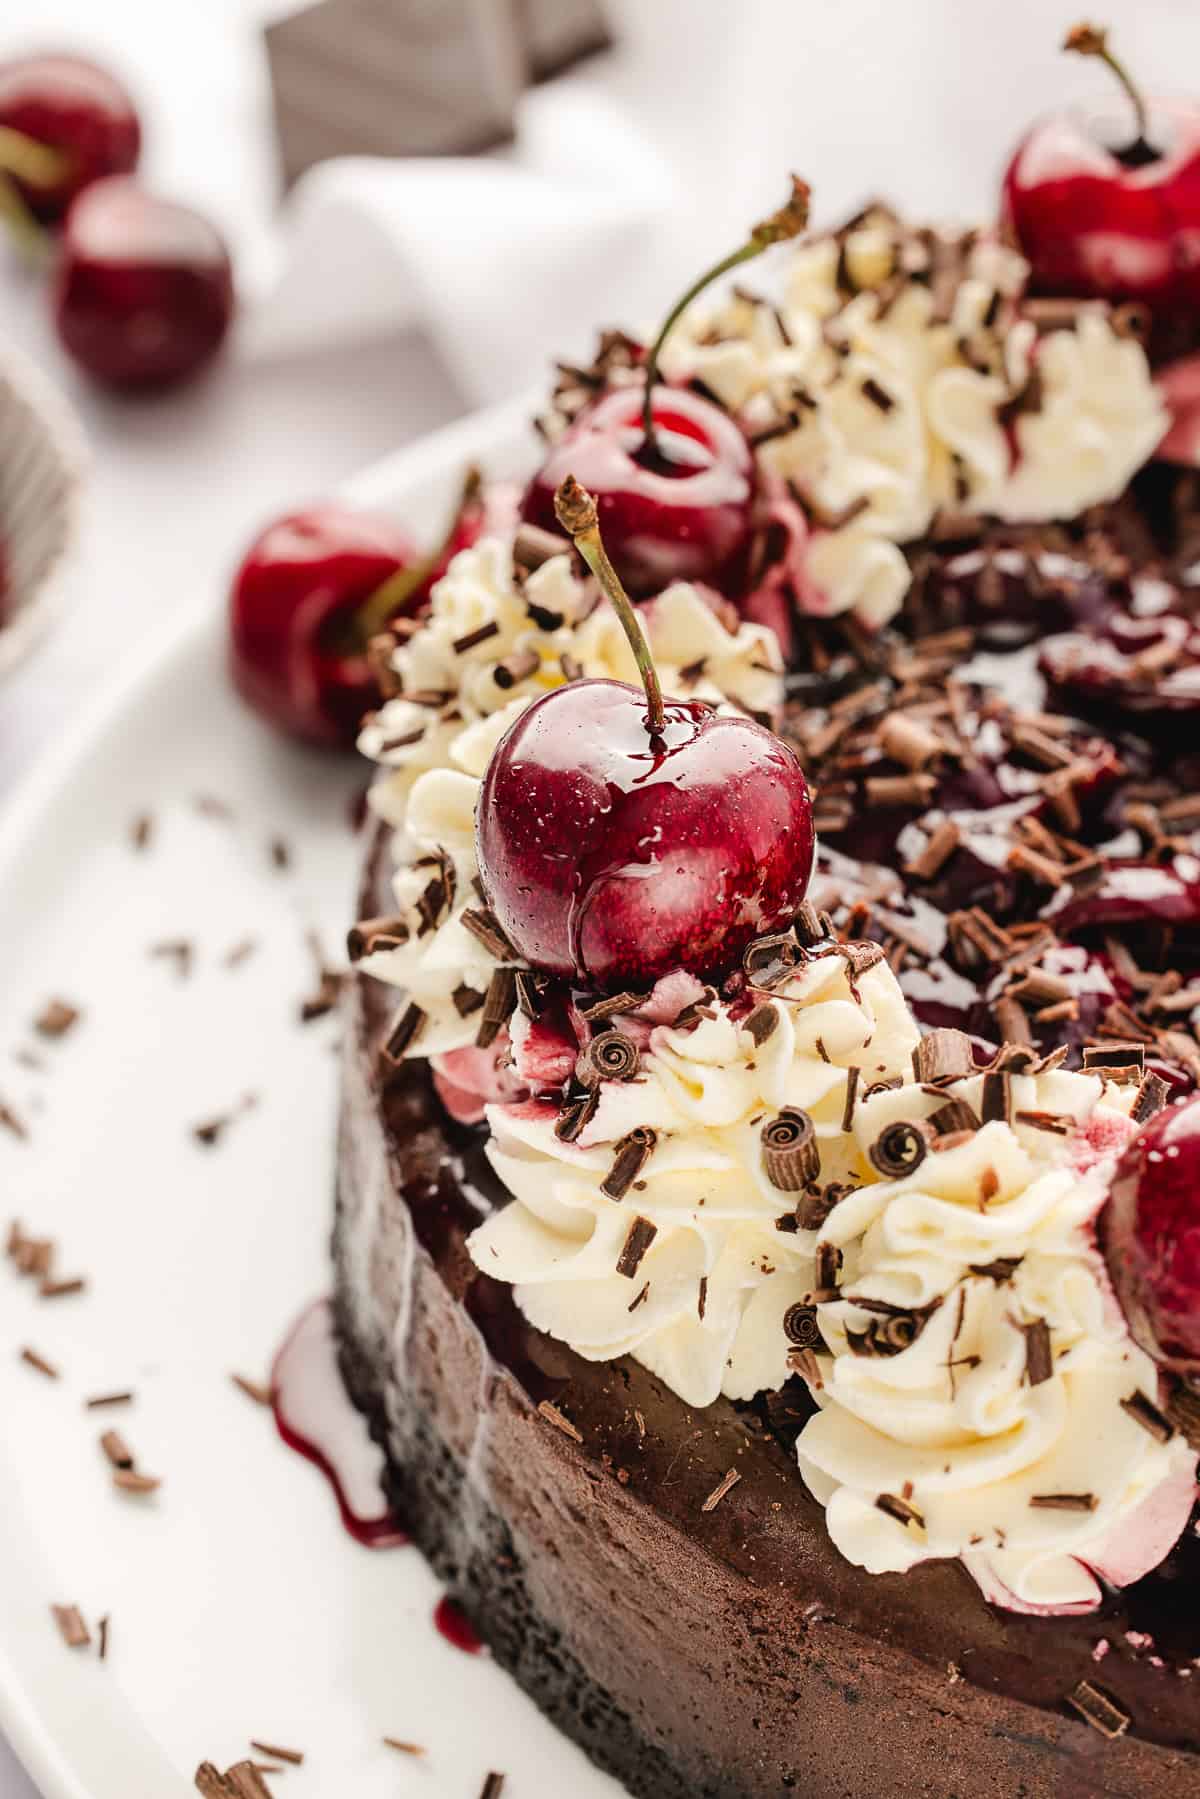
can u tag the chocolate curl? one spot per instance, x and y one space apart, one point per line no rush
791 1158
609 1057
800 1326
900 1147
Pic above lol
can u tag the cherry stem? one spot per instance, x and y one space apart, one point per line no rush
385 602
1092 40
576 512
37 164
789 221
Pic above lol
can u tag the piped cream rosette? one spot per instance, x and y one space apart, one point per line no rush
1005 1428
703 1305
493 643
903 401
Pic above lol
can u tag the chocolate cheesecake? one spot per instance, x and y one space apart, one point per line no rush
700 1552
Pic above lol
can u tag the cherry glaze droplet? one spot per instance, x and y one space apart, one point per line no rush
452 1623
315 1417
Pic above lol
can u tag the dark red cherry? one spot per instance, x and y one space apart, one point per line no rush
611 857
297 634
672 475
77 112
1151 1232
1110 206
144 294
680 513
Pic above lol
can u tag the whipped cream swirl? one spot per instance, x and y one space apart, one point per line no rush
995 1422
704 1306
491 645
909 388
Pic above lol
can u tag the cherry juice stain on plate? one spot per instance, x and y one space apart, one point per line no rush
453 1624
315 1417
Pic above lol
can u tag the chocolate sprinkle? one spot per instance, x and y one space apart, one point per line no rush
791 1155
1143 1411
724 1486
633 1151
641 1235
1098 1710
900 1148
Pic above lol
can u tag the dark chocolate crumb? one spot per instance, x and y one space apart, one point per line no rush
724 1486
56 1018
560 1421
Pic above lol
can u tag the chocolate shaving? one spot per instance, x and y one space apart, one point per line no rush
1000 1271
1152 1095
611 1056
1098 1710
900 1509
877 394
633 1151
280 853
12 1123
804 1363
995 1101
761 1023
574 1114
532 990
102 1401
702 1297
375 934
560 1421
809 926
404 1032
276 1754
32 1359
177 950
853 1075
939 847
103 1629
612 1007
493 1786
471 640
1064 1502
1039 1357
943 1055
62 1289
639 1298
956 1116
829 1263
791 1154
74 1632
1143 1411
901 1147
131 1481
483 927
814 1207
497 1007
117 1449
768 961
256 1390
900 790
467 1000
724 1486
516 668
56 1018
141 831
1119 1061
641 1235
404 1748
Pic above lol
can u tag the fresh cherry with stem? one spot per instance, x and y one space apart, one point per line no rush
672 472
621 835
64 122
1103 215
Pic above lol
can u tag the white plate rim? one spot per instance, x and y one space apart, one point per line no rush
494 432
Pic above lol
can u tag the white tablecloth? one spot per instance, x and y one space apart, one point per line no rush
919 100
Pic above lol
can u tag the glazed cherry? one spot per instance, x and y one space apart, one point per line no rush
1111 208
672 473
64 122
681 514
144 294
1151 1232
300 618
620 836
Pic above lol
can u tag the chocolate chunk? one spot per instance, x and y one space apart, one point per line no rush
791 1155
633 1151
641 1235
901 1147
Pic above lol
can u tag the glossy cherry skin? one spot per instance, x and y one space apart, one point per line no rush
144 292
1094 222
71 105
610 859
1151 1232
683 517
296 650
